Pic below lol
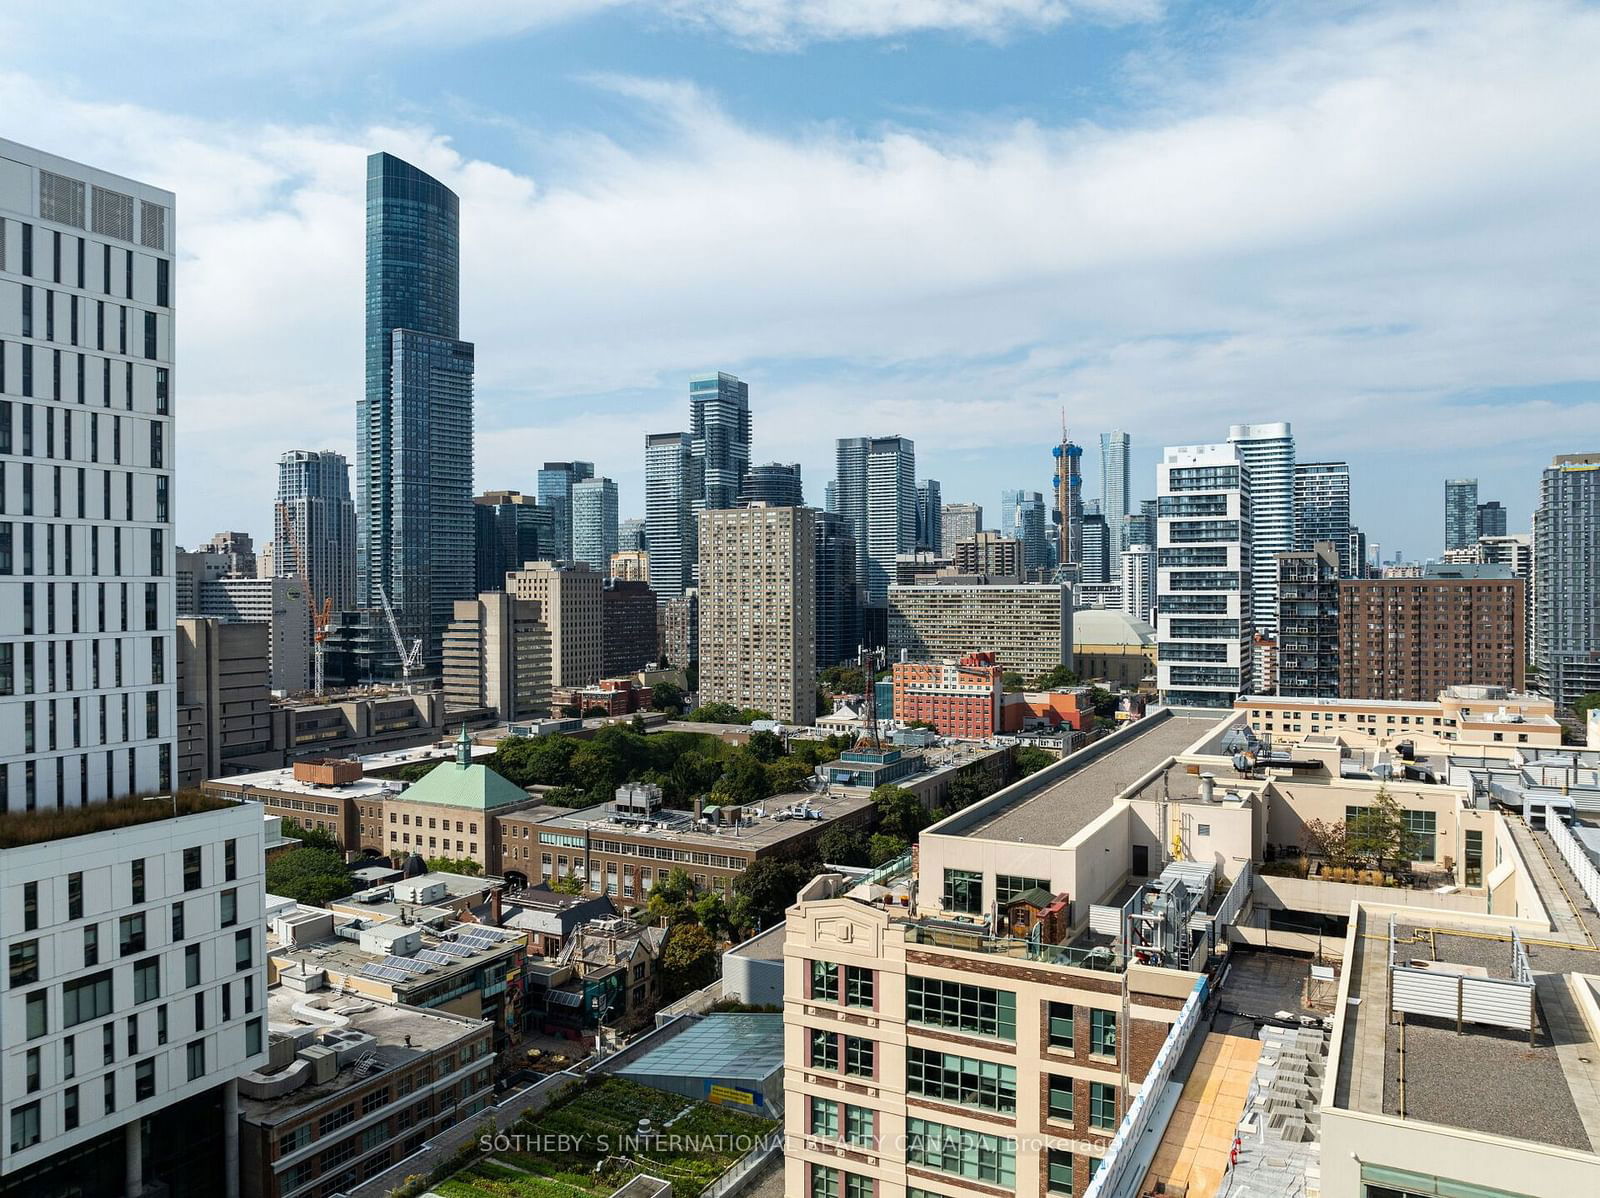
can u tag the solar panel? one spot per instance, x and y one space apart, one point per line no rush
433 957
405 964
455 951
486 939
385 973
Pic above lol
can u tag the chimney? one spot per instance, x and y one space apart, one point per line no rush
494 905
1208 786
699 806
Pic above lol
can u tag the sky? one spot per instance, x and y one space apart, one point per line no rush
955 220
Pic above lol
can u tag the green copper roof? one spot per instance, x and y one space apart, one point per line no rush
454 785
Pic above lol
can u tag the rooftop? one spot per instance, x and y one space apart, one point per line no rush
765 946
1108 626
724 1045
475 787
340 955
1069 804
19 828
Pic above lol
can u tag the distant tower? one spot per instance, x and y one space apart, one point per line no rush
1067 482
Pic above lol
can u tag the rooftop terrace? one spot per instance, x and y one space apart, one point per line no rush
19 828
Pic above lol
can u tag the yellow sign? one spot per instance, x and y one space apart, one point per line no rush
722 1094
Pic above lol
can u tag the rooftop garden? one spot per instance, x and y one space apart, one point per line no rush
18 828
591 1146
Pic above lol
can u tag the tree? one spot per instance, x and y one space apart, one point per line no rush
571 710
671 899
636 725
315 838
715 713
1056 678
567 885
595 712
312 876
711 913
1030 760
744 781
884 848
666 697
1377 834
788 774
535 760
765 746
1581 706
843 680
688 960
1330 840
843 846
900 813
1103 702
768 887
455 865
967 787
1013 681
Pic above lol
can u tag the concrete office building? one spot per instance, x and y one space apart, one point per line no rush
669 516
838 595
414 422
775 484
1566 569
497 655
1411 638
1203 576
758 610
237 550
930 517
1460 512
1138 567
509 528
1115 494
1308 622
1027 626
88 708
314 526
989 554
224 698
1267 452
1322 509
278 603
958 521
568 595
594 522
556 480
629 638
137 990
680 629
719 433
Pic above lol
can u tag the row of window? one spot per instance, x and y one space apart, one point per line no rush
82 379
70 256
118 779
51 723
69 497
18 555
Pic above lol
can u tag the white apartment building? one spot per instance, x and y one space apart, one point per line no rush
1139 582
87 698
1203 575
1267 451
135 981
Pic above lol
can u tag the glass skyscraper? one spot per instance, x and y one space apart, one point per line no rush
1267 453
719 431
1460 512
414 422
594 523
668 513
1566 572
1115 496
315 517
555 493
1322 510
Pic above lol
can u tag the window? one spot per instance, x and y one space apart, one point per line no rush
963 891
825 1118
859 1125
963 1153
858 989
1102 1105
1061 1099
191 966
111 1092
825 981
191 868
1060 1029
86 998
856 1186
30 904
35 1009
242 950
132 927
69 1108
31 1070
24 963
824 1182
959 1007
177 922
75 896
108 1043
136 867
824 1050
252 1037
69 1056
144 1080
199 1011
1008 886
1058 1178
964 1081
334 1120
858 1058
91 944
1102 1033
24 1126
161 1024
147 980
1473 858
197 1059
230 860
230 908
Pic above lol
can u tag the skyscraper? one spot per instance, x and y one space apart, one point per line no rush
1460 512
1067 484
631 535
838 595
930 517
776 484
1115 497
315 517
958 521
1566 572
414 422
1308 625
555 493
1491 519
849 494
1203 590
1267 452
719 430
1322 509
1139 582
594 523
1096 557
668 515
87 669
1022 516
511 530
891 510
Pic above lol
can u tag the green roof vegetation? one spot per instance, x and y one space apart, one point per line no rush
19 828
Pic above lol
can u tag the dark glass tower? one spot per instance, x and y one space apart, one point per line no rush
414 424
719 431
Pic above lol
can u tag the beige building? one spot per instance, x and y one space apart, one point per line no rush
1491 718
568 595
497 655
758 610
989 553
1028 626
1114 646
631 565
224 698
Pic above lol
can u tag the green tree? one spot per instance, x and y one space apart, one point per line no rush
314 838
666 697
900 813
636 725
744 781
711 913
455 865
570 884
312 876
843 680
595 712
788 774
1056 678
1029 760
535 760
1103 702
843 846
688 960
1378 835
768 887
715 713
884 848
765 746
967 787
1581 705
1013 681
672 898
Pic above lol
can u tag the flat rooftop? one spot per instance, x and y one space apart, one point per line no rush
768 946
763 831
339 955
403 1035
283 780
1065 807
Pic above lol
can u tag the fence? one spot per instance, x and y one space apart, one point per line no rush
745 1169
1441 994
1233 902
1113 1178
1577 860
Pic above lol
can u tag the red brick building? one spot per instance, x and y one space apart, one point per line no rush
959 698
1055 708
1414 638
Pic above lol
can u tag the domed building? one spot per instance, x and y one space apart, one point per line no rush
1112 645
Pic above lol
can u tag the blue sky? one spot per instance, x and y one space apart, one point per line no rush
950 219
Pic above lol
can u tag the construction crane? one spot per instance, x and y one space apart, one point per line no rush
409 658
321 616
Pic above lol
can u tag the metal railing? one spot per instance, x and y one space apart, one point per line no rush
1577 860
1103 959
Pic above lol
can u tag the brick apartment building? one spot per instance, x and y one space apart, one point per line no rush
960 698
1413 638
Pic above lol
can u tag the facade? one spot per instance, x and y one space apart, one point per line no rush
594 523
1115 494
1267 452
1027 626
958 521
1460 512
669 517
137 991
1489 720
460 803
568 595
1114 646
497 656
631 565
555 492
633 535
237 549
278 603
758 610
1566 570
959 698
1356 554
629 638
1138 566
88 709
1095 558
1491 519
1308 622
1066 483
1411 638
314 526
930 517
509 529
224 698
414 422
990 554
1022 517
1515 553
891 518
719 432
1322 510
838 596
680 629
776 484
847 496
1203 580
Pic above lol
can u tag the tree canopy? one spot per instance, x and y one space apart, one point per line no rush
900 813
688 960
314 876
316 838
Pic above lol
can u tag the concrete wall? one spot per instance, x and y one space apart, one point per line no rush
1334 898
